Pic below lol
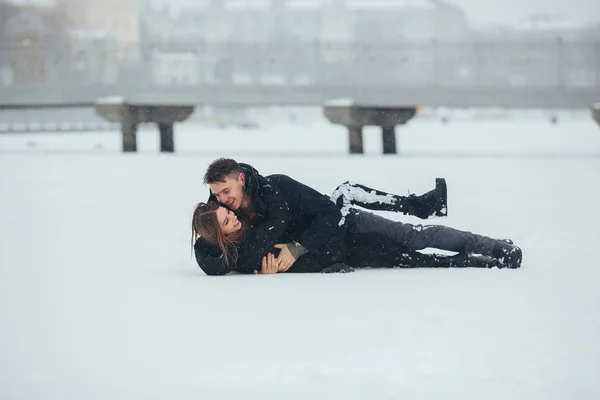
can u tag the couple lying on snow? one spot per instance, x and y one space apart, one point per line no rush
256 224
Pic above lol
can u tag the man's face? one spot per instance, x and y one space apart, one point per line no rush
230 192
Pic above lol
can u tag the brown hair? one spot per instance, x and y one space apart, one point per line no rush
220 169
205 225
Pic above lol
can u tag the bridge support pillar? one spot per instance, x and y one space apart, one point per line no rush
129 132
130 115
388 136
596 112
355 139
355 117
166 138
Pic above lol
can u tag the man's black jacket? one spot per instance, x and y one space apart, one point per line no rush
288 211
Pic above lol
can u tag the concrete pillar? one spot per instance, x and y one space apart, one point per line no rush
129 137
388 136
166 138
129 127
355 138
596 113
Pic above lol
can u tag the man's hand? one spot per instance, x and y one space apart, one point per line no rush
290 252
269 265
285 258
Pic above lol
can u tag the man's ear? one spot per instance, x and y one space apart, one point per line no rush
242 177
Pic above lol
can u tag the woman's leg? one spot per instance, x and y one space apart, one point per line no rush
431 203
418 237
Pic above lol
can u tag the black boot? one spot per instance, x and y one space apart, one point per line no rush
507 254
477 261
337 268
432 203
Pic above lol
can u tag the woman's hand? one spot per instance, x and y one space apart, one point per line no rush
269 265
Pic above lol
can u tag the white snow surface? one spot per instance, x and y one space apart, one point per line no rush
101 299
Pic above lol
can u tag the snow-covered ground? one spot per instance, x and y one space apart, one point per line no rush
101 299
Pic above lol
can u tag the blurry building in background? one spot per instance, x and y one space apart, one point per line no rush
181 68
407 20
118 19
540 50
92 57
540 28
33 55
257 40
26 54
308 20
156 26
289 42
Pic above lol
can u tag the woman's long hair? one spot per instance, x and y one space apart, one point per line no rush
205 225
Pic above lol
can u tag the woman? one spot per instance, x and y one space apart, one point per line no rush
366 240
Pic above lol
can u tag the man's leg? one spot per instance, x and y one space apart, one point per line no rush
369 250
434 202
414 259
418 237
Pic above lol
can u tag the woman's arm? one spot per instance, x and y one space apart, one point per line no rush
211 260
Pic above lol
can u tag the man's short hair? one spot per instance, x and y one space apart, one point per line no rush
220 169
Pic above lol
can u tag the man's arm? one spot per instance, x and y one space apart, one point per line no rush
262 238
323 213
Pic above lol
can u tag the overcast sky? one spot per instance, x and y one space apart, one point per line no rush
485 12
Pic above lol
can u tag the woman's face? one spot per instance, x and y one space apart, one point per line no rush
228 221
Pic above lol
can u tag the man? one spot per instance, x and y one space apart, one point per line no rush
283 210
